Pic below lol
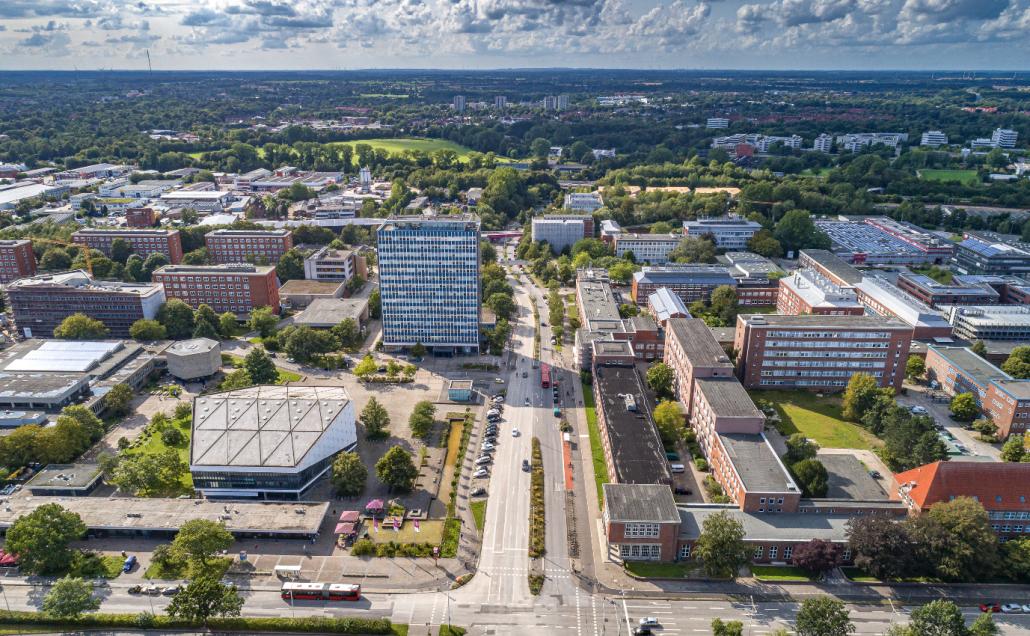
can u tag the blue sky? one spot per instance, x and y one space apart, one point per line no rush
466 34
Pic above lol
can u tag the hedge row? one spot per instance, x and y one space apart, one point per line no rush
146 621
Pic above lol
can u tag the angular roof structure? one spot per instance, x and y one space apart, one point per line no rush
267 426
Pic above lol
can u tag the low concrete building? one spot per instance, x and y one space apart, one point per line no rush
194 359
297 294
459 390
324 313
65 480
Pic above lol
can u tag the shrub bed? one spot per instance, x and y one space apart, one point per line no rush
537 520
244 625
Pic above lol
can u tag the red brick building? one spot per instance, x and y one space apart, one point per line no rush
237 288
808 291
1003 399
245 246
1002 488
140 217
819 352
143 242
692 352
17 260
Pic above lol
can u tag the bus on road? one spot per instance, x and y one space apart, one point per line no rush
321 592
545 375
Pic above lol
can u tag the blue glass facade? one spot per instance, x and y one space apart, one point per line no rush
429 282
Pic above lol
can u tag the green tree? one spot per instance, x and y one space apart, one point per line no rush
70 597
1018 363
205 312
979 348
148 473
304 343
956 538
41 538
812 476
694 250
375 419
348 332
938 618
134 269
796 231
227 324
198 540
366 367
724 304
290 266
501 304
986 428
621 272
349 474
80 327
1016 559
963 407
668 417
418 350
238 379
120 250
1014 449
764 244
153 263
859 396
177 318
55 258
881 546
263 321
396 469
203 598
823 616
915 367
721 546
799 448
198 256
205 329
422 419
146 330
984 625
260 367
660 378
726 628
118 400
375 305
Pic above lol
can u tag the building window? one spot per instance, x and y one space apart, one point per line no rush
759 551
641 530
685 551
773 550
847 555
787 552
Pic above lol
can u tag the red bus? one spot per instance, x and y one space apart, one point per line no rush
320 592
545 376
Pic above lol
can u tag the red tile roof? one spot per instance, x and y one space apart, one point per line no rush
985 481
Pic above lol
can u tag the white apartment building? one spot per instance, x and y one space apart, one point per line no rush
765 142
459 103
650 248
334 265
934 138
583 201
729 233
559 231
717 122
1004 138
823 143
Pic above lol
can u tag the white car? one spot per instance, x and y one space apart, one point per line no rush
918 410
1011 608
485 459
487 446
650 621
515 432
498 380
1026 608
527 401
482 472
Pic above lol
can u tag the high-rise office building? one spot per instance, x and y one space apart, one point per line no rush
500 102
429 281
562 102
459 103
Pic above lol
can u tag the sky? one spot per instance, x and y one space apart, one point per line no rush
482 34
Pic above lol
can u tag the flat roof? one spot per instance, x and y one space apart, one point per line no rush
757 464
698 342
970 363
194 345
637 451
225 268
992 315
970 289
685 274
835 265
331 311
255 233
906 307
265 426
640 503
124 231
821 322
305 287
79 279
727 397
819 291
168 515
596 300
71 356
65 476
791 526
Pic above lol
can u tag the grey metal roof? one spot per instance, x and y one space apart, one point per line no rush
754 459
697 341
640 502
727 397
768 527
262 425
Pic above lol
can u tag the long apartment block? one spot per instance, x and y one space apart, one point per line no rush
819 352
237 288
143 242
248 246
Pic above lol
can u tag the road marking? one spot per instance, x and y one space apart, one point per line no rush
625 612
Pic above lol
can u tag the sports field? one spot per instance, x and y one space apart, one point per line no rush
966 177
399 145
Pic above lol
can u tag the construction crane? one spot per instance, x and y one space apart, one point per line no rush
83 249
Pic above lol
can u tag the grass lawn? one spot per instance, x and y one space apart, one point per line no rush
479 513
817 418
596 450
772 573
398 146
860 576
965 177
216 569
648 569
152 443
430 531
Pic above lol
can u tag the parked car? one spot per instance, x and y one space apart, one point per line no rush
672 457
515 432
135 589
683 491
918 410
642 631
1011 608
525 374
478 492
649 621
677 468
171 590
990 607
875 474
487 446
499 380
527 401
483 459
482 472
525 465
152 590
130 563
